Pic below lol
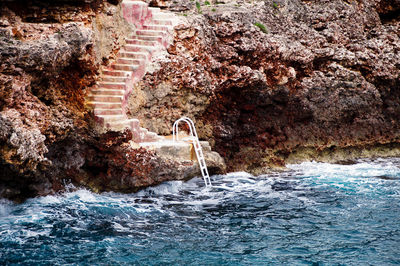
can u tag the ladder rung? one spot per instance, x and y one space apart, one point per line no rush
196 146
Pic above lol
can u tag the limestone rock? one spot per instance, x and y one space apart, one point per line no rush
50 54
320 76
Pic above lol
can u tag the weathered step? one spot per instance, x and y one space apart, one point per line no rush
154 9
157 21
113 118
129 61
107 92
139 48
144 135
116 73
134 123
120 125
117 79
148 38
170 149
124 67
150 33
102 105
143 132
155 27
100 112
151 136
105 98
135 12
142 42
161 15
134 55
138 134
112 85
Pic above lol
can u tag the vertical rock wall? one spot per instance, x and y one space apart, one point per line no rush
49 53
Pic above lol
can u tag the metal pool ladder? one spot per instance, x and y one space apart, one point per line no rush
196 144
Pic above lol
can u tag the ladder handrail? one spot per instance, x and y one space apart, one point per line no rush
196 144
175 128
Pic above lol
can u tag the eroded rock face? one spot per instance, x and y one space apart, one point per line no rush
50 54
322 76
44 70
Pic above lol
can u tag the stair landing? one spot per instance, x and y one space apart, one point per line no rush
182 150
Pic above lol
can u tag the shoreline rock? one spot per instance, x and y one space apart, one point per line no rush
48 138
267 83
321 76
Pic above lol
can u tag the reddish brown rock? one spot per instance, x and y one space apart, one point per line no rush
50 53
323 79
267 83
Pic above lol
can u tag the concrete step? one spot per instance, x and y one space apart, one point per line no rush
154 10
150 33
106 92
147 38
169 149
139 134
144 135
101 105
113 118
112 85
106 98
164 146
107 78
161 15
120 125
134 123
99 112
124 67
142 42
157 21
155 27
151 136
143 131
133 55
140 48
129 61
116 73
135 12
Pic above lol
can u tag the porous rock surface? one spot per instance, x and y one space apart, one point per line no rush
50 54
314 80
320 80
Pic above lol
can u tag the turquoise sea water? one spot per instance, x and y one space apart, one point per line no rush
321 214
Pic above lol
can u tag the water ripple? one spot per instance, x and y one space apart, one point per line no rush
316 213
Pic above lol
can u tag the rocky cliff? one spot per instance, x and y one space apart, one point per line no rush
267 83
275 82
50 54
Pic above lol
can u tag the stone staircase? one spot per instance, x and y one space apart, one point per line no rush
109 98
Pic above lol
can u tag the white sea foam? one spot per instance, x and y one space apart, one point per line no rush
83 195
193 194
50 199
172 187
5 207
361 169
